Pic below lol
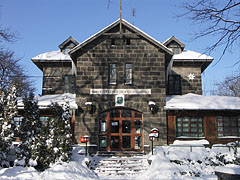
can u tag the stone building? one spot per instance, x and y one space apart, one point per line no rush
123 79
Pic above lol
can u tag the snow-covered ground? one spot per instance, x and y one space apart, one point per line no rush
168 163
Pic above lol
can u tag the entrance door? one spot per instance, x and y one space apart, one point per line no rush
120 130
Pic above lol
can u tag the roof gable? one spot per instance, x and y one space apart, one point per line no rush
68 42
129 26
173 39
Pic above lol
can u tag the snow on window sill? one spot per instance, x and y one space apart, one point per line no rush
188 137
229 137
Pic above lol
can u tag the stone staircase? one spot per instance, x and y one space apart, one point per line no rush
119 166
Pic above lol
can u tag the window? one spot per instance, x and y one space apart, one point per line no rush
44 120
174 85
176 50
18 120
128 42
112 74
113 42
189 126
128 74
66 51
69 84
228 126
17 123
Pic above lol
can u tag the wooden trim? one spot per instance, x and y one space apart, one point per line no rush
120 134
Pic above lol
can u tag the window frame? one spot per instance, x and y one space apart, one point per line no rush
222 125
69 84
110 79
126 70
172 90
190 125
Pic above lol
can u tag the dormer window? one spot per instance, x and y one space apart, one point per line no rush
176 50
66 51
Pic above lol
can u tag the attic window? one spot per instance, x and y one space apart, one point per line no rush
66 51
176 50
113 42
128 42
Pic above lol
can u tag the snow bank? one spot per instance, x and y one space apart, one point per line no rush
168 163
74 170
198 102
46 100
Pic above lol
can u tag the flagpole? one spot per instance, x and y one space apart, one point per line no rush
120 16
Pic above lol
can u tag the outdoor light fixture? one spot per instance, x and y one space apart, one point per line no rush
153 107
90 107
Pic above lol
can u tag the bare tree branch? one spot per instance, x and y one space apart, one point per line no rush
216 18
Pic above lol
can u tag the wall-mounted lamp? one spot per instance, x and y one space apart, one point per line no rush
153 107
90 107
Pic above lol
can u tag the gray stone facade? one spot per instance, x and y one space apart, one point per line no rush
87 69
148 73
188 85
54 77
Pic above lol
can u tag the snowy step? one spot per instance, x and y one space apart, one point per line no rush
119 165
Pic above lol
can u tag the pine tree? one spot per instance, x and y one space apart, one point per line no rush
9 111
55 142
30 128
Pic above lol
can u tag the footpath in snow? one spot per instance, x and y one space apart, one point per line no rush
178 161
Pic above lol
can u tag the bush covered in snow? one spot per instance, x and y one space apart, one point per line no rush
191 161
29 130
8 111
55 141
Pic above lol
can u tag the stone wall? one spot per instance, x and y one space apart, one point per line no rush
148 73
53 77
189 86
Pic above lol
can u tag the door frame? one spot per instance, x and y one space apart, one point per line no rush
107 134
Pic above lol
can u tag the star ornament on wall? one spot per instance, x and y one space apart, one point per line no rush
191 76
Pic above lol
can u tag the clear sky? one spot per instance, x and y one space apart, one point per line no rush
43 25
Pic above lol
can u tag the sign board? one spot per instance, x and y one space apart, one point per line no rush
119 100
155 132
84 139
151 137
120 91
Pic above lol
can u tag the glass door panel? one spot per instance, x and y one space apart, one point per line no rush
126 142
138 142
115 142
126 126
120 129
114 126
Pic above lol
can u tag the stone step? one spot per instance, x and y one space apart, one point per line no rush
119 166
121 162
122 168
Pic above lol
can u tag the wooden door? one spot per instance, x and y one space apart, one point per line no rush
120 129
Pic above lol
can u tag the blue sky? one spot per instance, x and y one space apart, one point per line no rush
43 25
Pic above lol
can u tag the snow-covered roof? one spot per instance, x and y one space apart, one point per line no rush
52 56
45 101
190 55
199 102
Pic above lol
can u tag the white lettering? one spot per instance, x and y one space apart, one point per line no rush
120 91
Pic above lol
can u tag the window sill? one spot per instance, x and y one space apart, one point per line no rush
229 137
187 137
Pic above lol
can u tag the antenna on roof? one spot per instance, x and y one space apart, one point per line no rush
134 14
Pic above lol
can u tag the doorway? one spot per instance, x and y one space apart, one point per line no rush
120 129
